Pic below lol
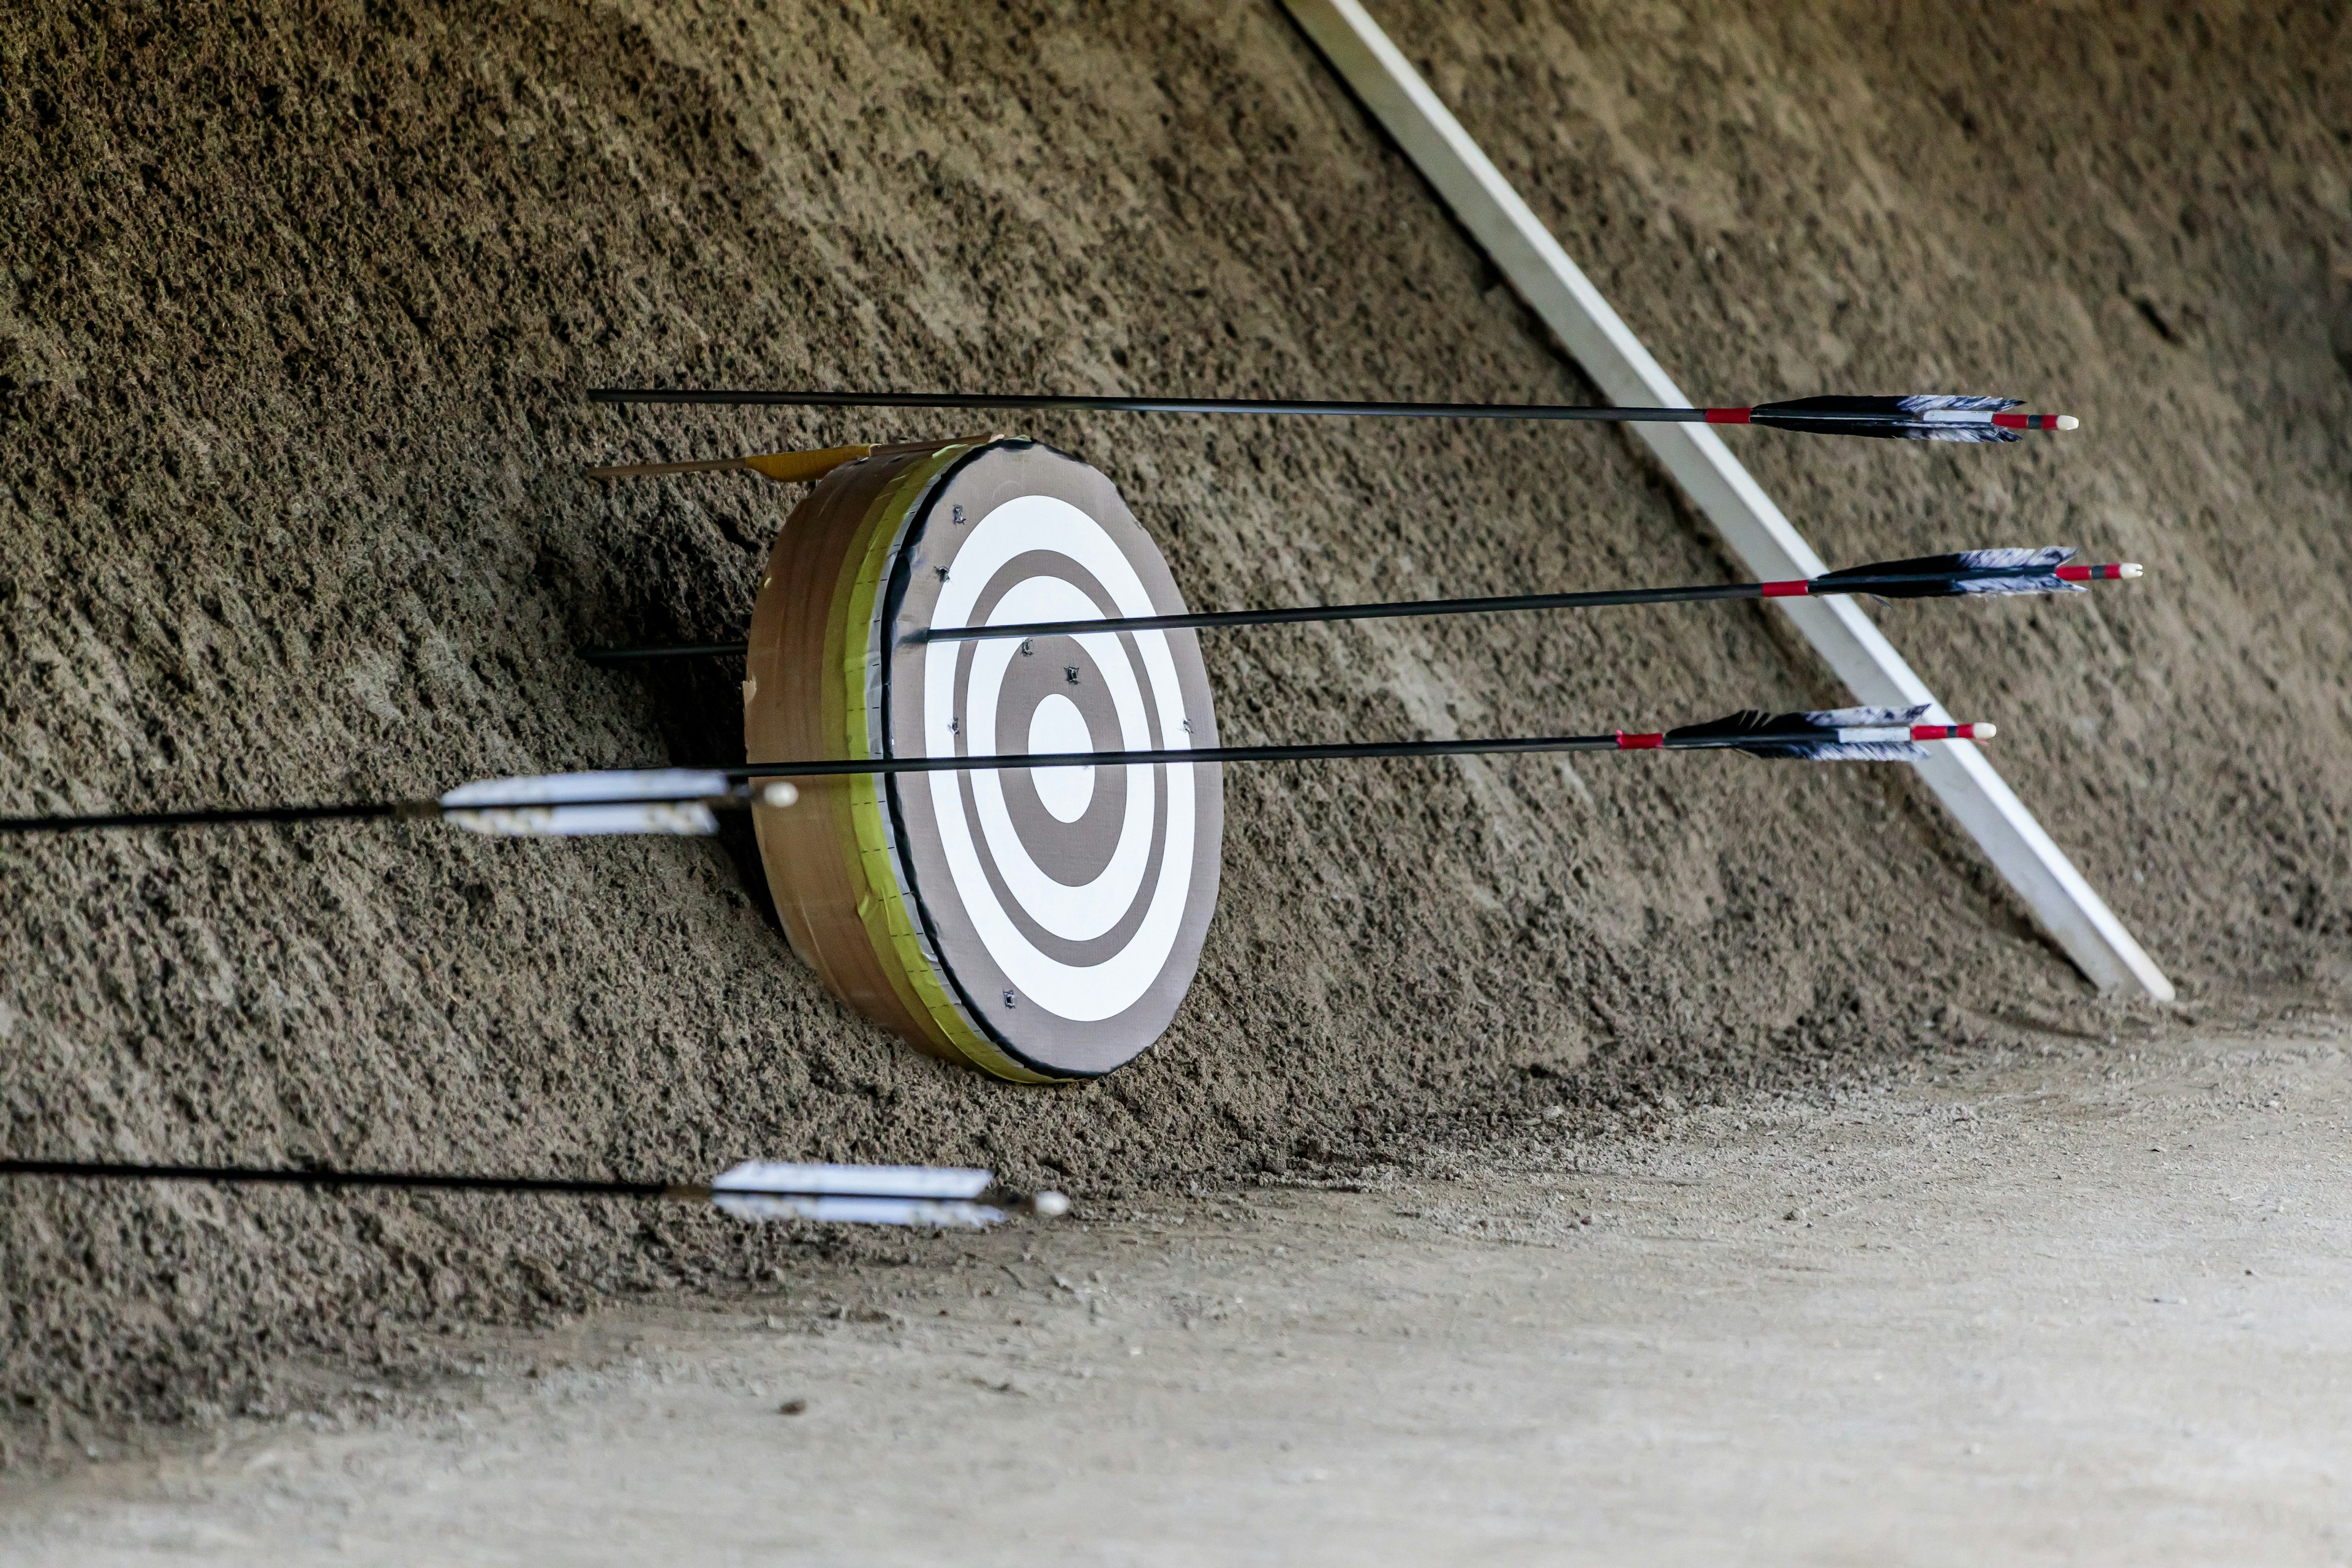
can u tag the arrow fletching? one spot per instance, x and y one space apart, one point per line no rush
2006 571
938 1212
675 801
859 1195
1923 416
1828 735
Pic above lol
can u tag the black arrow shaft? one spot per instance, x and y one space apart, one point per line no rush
1342 408
1331 751
827 767
1009 401
86 1170
428 1181
1799 415
223 816
844 767
676 651
1601 599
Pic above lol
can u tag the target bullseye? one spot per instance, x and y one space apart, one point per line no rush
1041 923
1056 725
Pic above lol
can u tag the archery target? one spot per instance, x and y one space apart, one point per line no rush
1047 921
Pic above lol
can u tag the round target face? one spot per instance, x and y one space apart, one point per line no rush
1066 906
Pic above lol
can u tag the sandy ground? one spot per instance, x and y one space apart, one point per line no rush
2093 1306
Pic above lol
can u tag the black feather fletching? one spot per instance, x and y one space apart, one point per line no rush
1895 418
1808 737
2006 571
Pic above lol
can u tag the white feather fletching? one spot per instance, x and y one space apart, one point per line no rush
618 784
1866 718
1891 742
944 1214
1926 405
2049 557
1951 416
662 800
884 1194
866 1181
674 818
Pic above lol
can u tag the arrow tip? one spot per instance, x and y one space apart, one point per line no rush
2130 569
1049 1206
2068 422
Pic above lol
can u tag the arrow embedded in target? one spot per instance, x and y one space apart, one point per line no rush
1920 417
1970 572
681 801
1965 573
755 1190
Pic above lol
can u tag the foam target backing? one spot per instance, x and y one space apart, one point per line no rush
1039 923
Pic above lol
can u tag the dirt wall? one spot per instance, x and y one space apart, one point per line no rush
295 318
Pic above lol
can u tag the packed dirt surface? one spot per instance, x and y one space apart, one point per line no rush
2084 1305
297 311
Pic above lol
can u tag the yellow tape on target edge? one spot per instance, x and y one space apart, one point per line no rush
887 911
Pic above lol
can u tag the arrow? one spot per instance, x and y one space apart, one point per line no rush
1970 572
636 801
1921 416
1834 735
2008 570
851 1195
1837 734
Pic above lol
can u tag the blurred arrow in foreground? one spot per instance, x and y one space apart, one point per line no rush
755 1190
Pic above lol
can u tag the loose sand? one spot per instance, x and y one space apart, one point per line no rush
296 311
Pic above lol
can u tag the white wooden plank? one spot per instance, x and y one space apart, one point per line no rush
1751 526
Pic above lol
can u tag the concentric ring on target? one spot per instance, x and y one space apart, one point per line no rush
1042 923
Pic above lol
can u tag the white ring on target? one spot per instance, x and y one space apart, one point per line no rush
1080 993
1057 725
1083 911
